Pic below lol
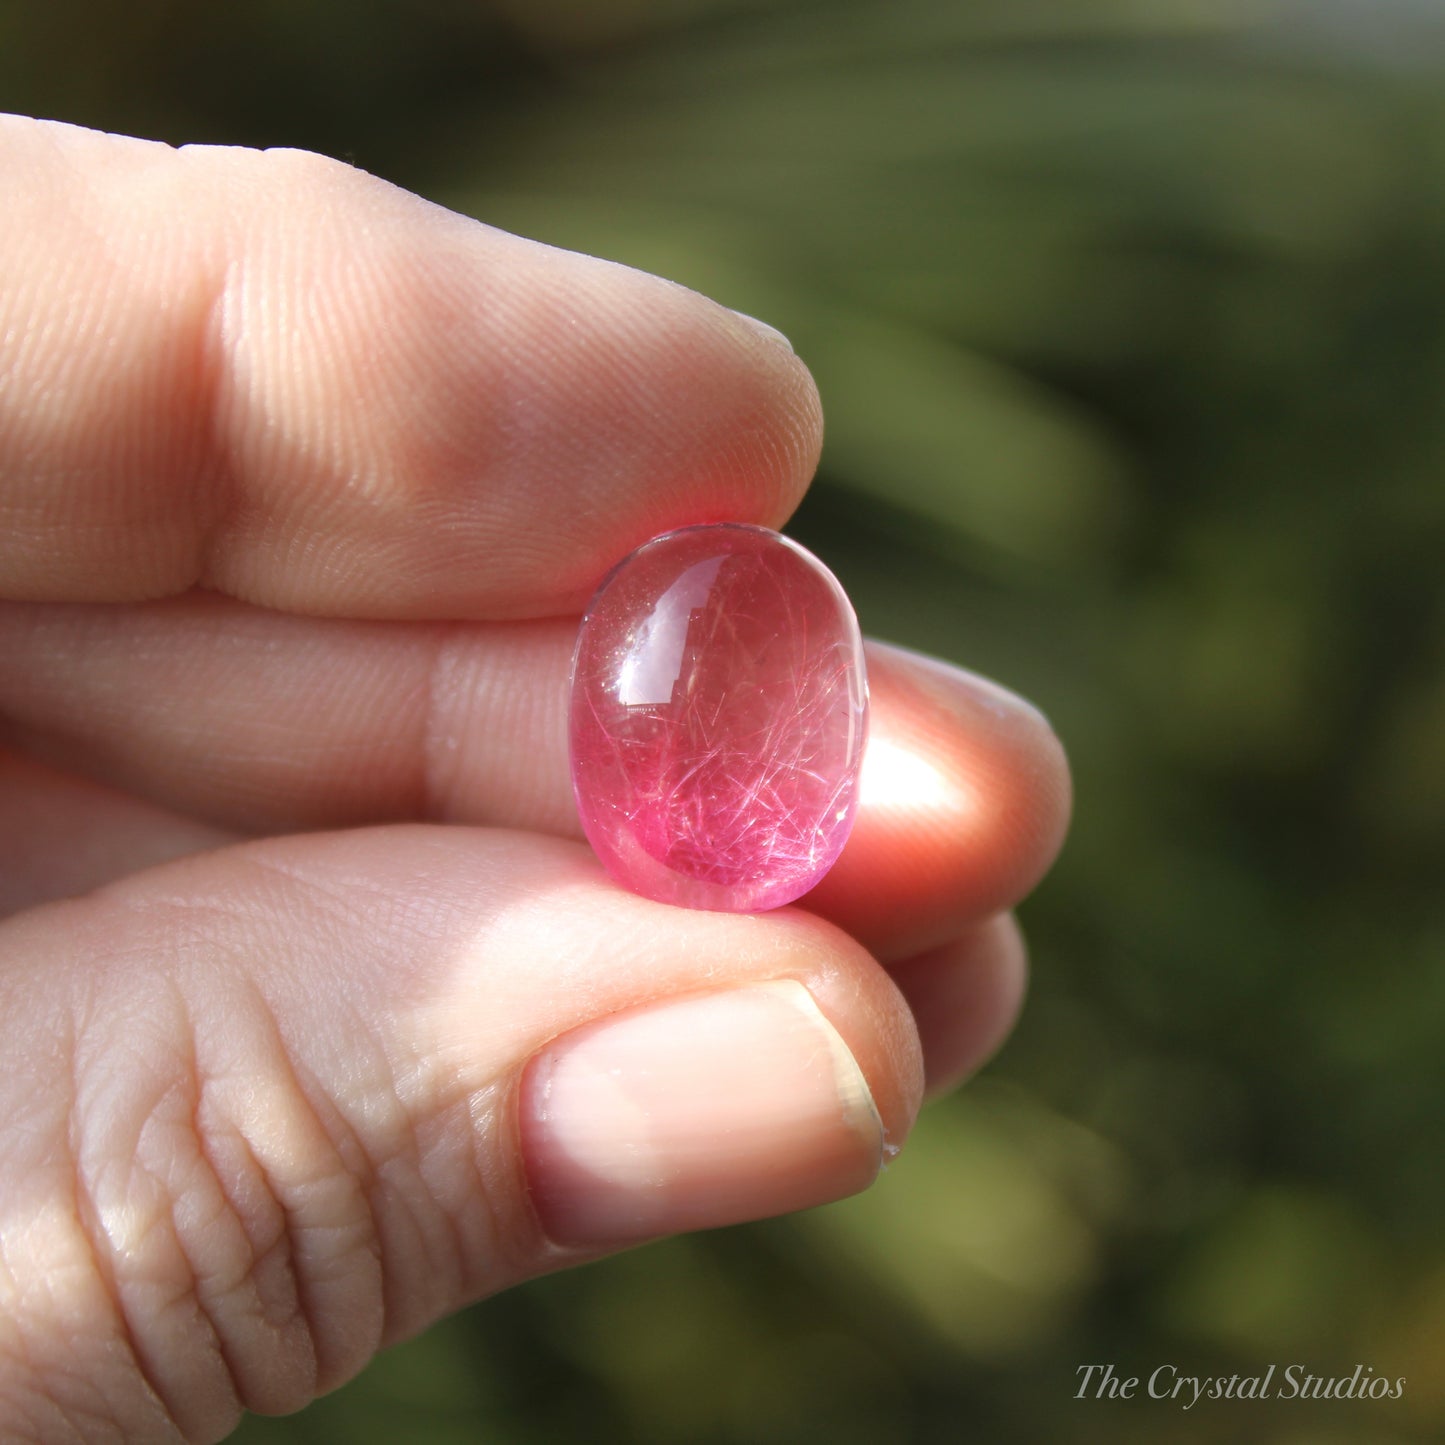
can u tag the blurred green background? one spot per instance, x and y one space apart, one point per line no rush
1129 320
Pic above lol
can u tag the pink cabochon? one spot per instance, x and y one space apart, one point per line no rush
718 714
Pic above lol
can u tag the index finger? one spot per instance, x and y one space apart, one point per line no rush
272 375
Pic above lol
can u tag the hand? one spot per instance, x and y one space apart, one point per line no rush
303 483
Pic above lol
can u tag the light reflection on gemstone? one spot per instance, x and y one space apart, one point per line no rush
718 716
654 655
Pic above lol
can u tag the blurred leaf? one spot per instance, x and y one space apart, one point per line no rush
1287 1274
924 425
987 1239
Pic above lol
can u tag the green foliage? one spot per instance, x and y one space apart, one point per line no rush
1129 320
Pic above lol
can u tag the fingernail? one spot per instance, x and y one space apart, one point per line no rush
762 326
706 1110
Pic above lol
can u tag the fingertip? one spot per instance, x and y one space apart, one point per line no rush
966 997
678 410
964 803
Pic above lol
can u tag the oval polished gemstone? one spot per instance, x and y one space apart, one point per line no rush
719 705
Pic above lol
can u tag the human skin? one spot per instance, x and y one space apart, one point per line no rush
319 1021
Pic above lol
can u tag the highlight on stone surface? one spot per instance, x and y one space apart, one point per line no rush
718 713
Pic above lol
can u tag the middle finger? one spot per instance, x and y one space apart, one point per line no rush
265 722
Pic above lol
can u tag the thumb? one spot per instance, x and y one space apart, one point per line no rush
271 1108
